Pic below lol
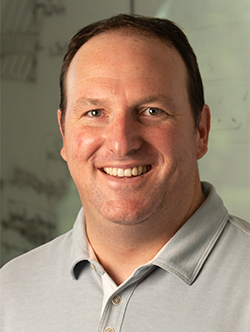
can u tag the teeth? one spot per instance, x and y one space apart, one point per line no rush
135 171
120 172
128 172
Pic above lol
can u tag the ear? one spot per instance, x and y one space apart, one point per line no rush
203 132
59 117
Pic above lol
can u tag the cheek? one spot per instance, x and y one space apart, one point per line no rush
175 144
166 140
82 144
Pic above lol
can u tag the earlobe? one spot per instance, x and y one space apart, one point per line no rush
62 152
203 132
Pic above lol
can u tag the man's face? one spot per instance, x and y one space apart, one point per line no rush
129 138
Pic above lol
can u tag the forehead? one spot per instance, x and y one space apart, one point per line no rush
114 60
129 48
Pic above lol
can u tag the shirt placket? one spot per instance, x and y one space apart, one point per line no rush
116 306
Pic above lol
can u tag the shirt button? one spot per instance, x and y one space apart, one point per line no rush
109 329
116 300
93 267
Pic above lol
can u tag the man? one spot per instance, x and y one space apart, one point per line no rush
154 249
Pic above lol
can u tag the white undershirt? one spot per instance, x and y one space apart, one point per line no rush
108 285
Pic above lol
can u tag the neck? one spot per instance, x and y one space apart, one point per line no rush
123 248
120 248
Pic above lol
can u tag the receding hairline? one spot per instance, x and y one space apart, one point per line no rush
164 30
125 31
129 32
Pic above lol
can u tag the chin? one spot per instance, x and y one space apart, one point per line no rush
125 213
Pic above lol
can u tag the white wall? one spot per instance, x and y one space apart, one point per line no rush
39 199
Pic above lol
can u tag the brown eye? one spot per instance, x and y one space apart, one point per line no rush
95 113
152 111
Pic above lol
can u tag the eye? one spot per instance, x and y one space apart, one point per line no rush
152 116
153 111
94 113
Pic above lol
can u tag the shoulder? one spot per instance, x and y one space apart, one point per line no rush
43 257
234 241
240 225
237 233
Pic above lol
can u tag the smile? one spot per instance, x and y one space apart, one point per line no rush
127 172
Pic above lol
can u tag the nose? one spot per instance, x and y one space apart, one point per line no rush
124 137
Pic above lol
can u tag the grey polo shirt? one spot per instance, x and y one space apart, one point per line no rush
199 282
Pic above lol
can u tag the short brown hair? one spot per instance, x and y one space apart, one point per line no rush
163 29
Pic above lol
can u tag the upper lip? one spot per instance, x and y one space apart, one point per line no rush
125 166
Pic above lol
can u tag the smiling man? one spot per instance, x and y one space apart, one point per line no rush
153 248
131 145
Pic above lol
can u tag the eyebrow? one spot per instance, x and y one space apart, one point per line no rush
158 97
92 101
85 101
168 101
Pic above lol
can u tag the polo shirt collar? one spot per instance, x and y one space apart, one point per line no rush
184 254
79 250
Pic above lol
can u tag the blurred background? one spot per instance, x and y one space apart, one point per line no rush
38 198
